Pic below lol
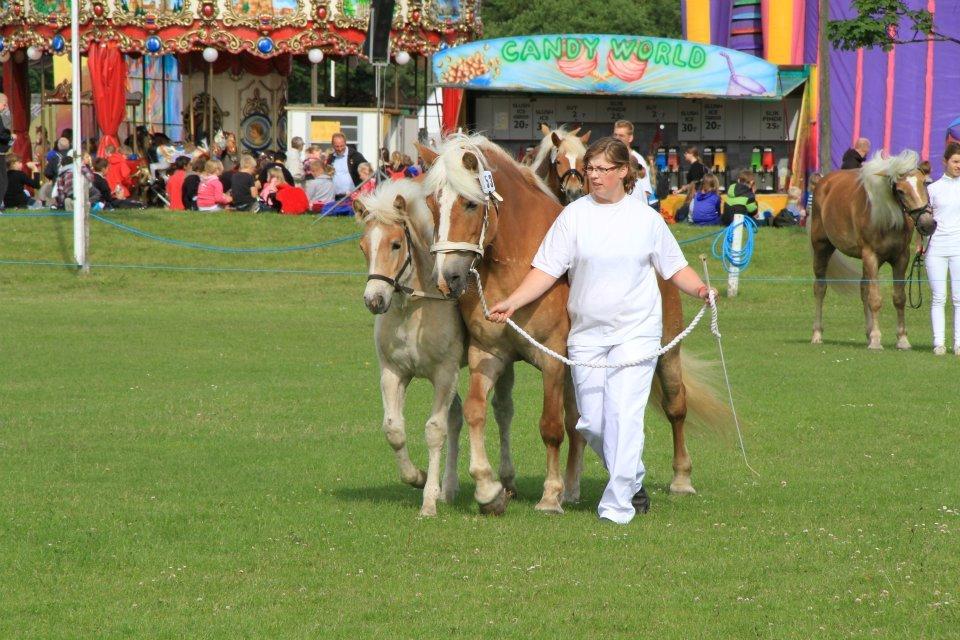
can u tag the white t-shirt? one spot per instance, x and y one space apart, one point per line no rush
611 253
643 186
945 200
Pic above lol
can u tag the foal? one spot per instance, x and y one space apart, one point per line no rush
418 334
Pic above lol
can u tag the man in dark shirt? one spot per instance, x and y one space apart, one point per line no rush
15 196
853 158
100 183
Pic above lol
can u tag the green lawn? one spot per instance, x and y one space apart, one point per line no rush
193 450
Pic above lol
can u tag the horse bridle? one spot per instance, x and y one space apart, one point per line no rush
572 171
913 213
407 264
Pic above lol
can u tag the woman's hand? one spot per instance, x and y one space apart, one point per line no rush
706 294
501 311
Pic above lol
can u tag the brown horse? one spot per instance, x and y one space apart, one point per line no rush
559 162
869 214
507 234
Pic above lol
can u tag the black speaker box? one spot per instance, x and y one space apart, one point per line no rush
377 44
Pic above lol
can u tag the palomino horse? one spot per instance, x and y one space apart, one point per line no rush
507 234
673 376
869 214
559 162
418 334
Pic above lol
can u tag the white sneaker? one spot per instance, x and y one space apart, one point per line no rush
956 349
939 350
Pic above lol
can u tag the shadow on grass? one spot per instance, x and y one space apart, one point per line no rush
861 345
529 489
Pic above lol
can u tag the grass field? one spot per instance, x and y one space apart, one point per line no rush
193 450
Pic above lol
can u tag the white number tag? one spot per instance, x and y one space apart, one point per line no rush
486 183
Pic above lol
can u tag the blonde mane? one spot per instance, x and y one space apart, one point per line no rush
448 170
568 141
878 175
380 206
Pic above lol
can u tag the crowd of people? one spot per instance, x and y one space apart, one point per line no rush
302 179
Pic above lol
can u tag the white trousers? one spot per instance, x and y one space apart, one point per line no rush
937 270
611 404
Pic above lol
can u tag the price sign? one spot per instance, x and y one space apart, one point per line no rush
521 120
656 111
615 109
712 121
688 121
544 112
771 122
576 110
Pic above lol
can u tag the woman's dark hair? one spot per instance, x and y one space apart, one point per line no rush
953 148
694 151
617 154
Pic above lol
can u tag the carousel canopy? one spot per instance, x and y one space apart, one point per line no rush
261 28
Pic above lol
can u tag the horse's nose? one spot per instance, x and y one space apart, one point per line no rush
375 303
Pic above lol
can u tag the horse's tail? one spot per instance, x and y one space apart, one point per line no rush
706 407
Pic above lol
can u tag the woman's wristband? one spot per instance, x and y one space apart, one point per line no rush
702 290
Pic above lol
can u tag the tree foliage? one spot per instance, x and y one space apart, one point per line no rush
509 17
884 23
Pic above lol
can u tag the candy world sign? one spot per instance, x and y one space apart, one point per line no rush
586 63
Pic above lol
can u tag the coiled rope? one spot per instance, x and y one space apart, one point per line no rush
732 258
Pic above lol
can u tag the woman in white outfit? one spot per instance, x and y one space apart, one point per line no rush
611 247
942 257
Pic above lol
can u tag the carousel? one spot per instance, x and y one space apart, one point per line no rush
189 67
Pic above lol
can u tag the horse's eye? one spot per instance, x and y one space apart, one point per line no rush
395 246
470 206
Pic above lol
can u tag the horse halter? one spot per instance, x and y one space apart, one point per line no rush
447 246
913 213
572 171
407 264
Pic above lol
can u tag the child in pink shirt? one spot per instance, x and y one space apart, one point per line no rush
210 193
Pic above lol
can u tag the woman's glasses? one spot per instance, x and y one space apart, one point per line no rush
599 170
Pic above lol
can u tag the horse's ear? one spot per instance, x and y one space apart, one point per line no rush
882 174
429 155
575 131
555 138
470 162
399 203
544 129
359 211
585 138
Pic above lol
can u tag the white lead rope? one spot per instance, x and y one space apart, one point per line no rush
714 329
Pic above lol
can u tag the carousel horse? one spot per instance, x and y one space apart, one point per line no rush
870 214
675 370
475 226
558 161
418 334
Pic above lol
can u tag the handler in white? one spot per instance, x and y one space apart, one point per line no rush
943 255
611 247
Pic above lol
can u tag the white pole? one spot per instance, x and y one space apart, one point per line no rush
733 278
80 238
333 79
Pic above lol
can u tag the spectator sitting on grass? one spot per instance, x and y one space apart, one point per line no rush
18 180
705 207
210 195
174 184
318 184
741 199
191 182
243 186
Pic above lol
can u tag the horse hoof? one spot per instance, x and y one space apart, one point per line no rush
497 506
511 489
549 506
420 481
571 497
682 489
428 512
903 344
817 338
875 347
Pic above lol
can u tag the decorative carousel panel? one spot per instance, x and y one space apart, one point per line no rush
47 12
6 11
151 13
265 14
351 13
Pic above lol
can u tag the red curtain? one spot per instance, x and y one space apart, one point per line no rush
452 100
108 75
17 88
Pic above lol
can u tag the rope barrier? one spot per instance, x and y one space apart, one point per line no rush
735 258
714 329
701 237
39 214
172 267
209 247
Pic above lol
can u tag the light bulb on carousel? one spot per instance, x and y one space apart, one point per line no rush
210 54
402 58
315 56
34 53
4 55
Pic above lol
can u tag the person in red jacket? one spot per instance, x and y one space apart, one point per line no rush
118 172
287 199
175 183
